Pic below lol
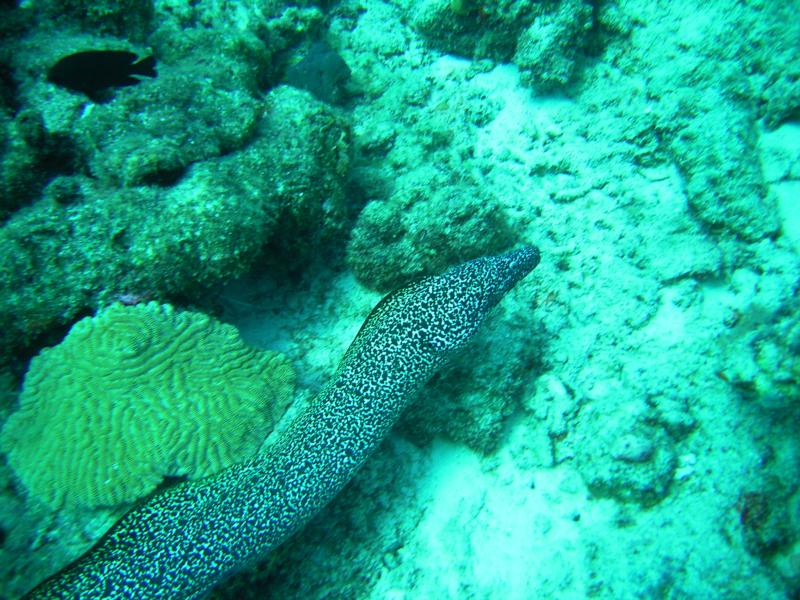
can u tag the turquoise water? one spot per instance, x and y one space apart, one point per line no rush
624 424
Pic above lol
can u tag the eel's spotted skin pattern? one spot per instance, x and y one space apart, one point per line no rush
181 543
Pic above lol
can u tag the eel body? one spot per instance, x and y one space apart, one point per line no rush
184 541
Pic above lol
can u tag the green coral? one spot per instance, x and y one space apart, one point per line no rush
138 393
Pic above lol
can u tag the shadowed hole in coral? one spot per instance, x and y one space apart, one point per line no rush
164 177
8 88
170 481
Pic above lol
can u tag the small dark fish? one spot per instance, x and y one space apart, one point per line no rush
322 72
95 71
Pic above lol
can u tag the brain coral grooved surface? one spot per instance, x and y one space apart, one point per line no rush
138 393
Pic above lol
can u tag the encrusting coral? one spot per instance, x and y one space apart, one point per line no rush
138 393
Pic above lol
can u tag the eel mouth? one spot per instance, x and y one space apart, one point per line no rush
510 268
520 262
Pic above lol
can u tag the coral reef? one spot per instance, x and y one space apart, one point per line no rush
767 526
154 132
622 455
138 393
702 111
84 243
724 186
416 233
548 48
764 363
167 187
544 39
475 29
114 17
776 72
652 149
30 155
8 393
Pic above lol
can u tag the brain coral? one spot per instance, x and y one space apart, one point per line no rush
138 393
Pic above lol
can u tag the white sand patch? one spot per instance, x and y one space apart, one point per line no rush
522 119
780 163
668 326
502 533
788 196
719 299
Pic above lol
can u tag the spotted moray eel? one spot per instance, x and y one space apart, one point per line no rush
184 541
